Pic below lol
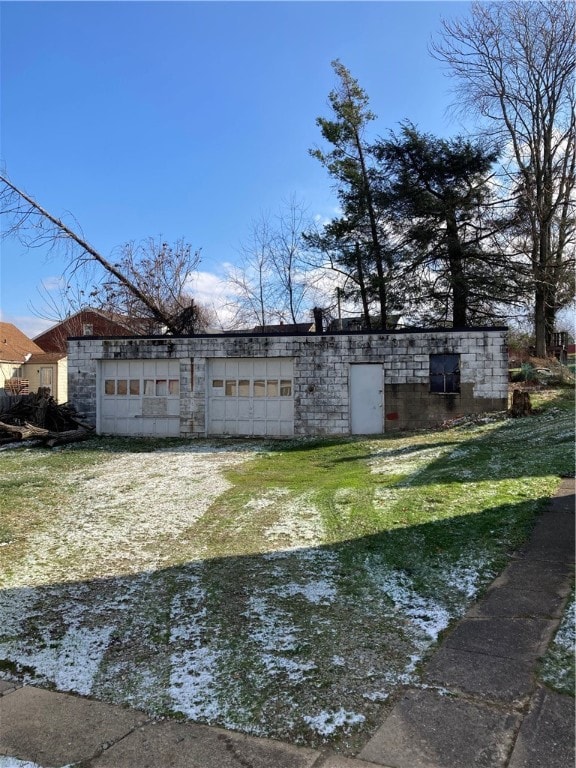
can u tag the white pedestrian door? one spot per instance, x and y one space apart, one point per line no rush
366 399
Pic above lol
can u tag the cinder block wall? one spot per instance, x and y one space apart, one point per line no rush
321 373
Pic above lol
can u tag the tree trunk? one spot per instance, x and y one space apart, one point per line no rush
521 405
362 285
377 250
540 320
457 276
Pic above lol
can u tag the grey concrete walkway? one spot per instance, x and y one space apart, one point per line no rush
480 705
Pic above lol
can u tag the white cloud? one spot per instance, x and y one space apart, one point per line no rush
29 325
217 294
208 287
54 283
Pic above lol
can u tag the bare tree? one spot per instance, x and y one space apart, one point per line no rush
161 272
514 65
148 280
296 281
275 281
253 281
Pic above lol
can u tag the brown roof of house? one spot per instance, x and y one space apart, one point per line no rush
103 324
48 357
15 345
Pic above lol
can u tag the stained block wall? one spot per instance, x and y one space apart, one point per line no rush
321 373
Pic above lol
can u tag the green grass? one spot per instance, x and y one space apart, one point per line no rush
313 580
557 669
483 486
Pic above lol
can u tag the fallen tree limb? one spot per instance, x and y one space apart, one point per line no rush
27 431
72 436
32 432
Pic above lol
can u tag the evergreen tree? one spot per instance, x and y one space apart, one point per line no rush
437 194
358 232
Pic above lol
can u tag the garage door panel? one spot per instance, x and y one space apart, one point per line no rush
286 428
272 409
218 410
122 368
287 411
244 408
139 397
230 409
149 367
231 369
217 426
107 408
260 368
257 396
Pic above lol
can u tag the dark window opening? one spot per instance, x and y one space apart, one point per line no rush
444 373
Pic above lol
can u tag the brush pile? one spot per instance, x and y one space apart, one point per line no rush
40 418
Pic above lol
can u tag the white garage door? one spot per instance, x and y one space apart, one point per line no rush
251 397
139 397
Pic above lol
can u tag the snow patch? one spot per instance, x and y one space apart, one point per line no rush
193 687
426 614
14 762
299 524
125 503
70 662
318 592
328 721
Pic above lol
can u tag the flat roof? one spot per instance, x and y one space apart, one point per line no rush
250 334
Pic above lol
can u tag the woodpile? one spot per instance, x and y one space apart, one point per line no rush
40 418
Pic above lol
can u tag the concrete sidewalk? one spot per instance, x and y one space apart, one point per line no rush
480 705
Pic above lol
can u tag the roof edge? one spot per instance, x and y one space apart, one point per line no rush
248 334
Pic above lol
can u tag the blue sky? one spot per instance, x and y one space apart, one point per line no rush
191 119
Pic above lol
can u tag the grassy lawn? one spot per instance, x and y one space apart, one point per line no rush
287 589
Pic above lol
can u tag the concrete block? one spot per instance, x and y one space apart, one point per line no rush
543 740
426 730
512 638
493 677
56 729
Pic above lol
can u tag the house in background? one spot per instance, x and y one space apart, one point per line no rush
24 366
86 322
28 364
49 370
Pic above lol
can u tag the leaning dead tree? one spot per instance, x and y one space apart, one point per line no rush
33 225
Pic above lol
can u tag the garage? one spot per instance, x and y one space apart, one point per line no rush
139 397
251 396
281 385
